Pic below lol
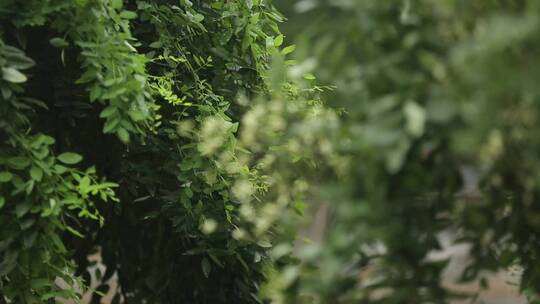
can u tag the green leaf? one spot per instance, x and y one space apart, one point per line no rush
20 62
116 4
22 208
27 223
74 232
128 15
59 169
81 3
19 162
36 173
69 158
84 184
2 201
5 176
310 77
48 140
111 124
123 135
415 118
206 267
40 283
300 207
288 50
198 17
13 75
108 111
29 239
58 42
136 115
155 44
264 244
8 262
278 41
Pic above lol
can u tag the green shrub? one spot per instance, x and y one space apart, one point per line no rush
118 132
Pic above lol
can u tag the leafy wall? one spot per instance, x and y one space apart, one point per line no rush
118 127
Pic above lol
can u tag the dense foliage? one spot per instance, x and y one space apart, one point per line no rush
118 134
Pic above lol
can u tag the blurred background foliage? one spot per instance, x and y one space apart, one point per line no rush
437 134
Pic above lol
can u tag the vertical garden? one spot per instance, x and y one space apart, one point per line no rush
188 143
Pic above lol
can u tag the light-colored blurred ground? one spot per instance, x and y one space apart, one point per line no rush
502 285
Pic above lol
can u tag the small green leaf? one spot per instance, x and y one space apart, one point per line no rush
74 232
27 223
116 4
19 162
278 41
59 169
128 15
111 124
288 50
58 42
13 75
155 44
264 244
2 201
69 158
29 239
81 3
108 111
22 208
416 117
123 135
206 267
310 77
136 115
20 62
198 17
5 176
36 173
299 207
38 284
84 184
48 140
